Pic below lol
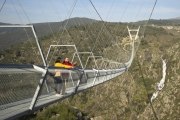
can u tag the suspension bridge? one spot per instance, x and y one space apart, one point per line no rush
27 86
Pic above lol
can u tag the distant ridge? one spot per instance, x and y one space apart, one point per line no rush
176 18
43 28
10 36
171 21
4 23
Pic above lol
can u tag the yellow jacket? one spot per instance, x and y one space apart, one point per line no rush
62 65
57 72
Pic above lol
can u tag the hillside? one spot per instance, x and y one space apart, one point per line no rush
11 36
83 37
43 30
173 21
127 97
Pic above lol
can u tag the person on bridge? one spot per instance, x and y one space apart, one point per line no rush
67 62
63 64
59 82
65 76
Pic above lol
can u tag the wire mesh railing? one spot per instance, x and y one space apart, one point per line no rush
17 86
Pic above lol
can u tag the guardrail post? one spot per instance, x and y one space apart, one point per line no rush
38 90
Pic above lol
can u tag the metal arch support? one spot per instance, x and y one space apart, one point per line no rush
36 38
57 46
34 33
105 64
83 67
132 53
39 47
39 87
74 46
82 72
111 62
96 71
102 59
75 53
95 60
96 75
70 77
94 57
134 30
78 54
105 60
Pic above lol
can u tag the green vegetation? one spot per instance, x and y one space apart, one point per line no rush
127 96
55 112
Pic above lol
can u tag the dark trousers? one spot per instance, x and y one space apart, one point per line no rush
59 85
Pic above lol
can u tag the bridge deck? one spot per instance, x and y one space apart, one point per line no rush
21 107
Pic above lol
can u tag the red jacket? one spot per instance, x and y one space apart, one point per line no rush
68 63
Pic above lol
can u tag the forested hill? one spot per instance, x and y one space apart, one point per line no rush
173 21
127 97
10 36
16 35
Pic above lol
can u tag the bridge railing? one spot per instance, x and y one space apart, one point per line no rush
18 86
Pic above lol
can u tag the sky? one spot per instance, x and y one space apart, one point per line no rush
37 11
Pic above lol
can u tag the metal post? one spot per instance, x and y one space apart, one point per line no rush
37 92
48 52
95 61
70 77
86 62
39 47
96 75
75 53
73 57
78 57
97 71
40 85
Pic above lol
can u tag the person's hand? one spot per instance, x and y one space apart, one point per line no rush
75 63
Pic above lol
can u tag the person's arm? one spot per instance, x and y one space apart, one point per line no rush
68 66
63 65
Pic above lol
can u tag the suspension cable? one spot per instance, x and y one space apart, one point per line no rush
104 25
28 37
71 11
2 5
155 115
64 28
150 16
141 72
